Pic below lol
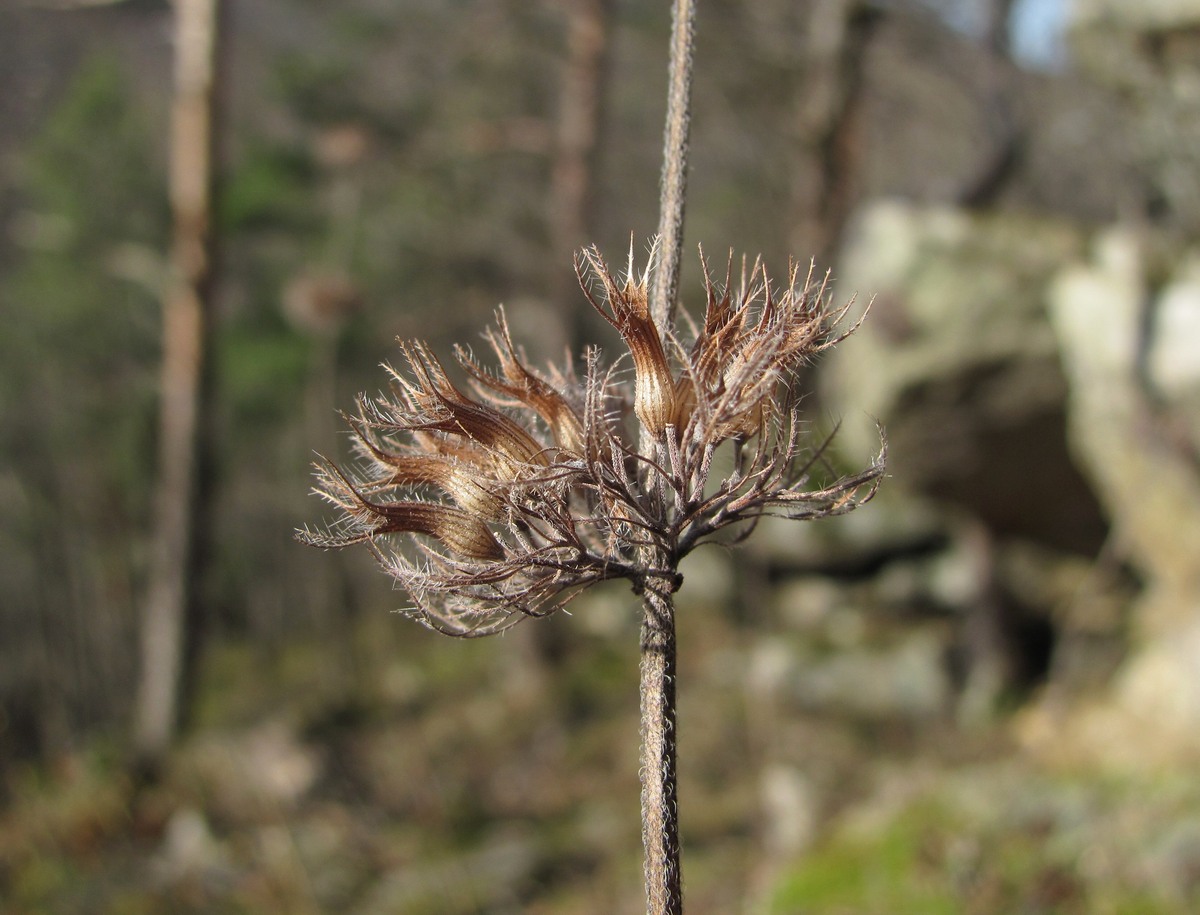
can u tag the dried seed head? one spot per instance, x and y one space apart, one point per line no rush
532 487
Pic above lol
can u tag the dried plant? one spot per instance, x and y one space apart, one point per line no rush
526 486
504 496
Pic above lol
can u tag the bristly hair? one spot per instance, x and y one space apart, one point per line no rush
507 500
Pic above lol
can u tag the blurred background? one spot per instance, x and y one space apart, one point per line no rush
980 693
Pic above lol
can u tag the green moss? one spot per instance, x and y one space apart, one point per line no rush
938 856
889 873
38 879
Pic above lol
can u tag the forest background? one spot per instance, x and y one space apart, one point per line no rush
977 694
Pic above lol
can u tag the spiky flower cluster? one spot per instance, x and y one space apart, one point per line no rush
523 487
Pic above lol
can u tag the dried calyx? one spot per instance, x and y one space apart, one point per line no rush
535 485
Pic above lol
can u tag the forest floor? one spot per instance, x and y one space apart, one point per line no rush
382 770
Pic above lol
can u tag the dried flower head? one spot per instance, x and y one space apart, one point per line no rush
504 500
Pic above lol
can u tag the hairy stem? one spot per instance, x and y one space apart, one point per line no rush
660 807
674 171
660 802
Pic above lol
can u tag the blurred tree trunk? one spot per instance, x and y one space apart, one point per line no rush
826 123
171 581
1005 125
997 30
573 170
572 221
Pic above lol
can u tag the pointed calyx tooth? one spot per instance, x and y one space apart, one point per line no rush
443 407
626 306
464 482
460 531
521 385
754 338
461 472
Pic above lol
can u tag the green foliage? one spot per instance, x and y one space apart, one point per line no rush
271 186
94 219
94 202
934 856
92 163
887 872
316 88
260 373
77 390
76 357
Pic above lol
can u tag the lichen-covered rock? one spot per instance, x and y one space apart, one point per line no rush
959 363
1145 14
1122 432
1051 393
1124 369
1173 351
1147 53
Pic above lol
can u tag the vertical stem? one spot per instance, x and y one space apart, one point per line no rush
660 807
660 800
674 173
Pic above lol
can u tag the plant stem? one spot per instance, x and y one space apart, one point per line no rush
674 171
660 807
660 800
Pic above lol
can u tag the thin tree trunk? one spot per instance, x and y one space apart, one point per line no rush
185 329
660 801
581 112
572 222
827 124
998 33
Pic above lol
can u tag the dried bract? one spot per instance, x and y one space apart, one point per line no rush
504 503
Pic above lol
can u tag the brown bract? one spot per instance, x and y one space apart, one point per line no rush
626 306
505 502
